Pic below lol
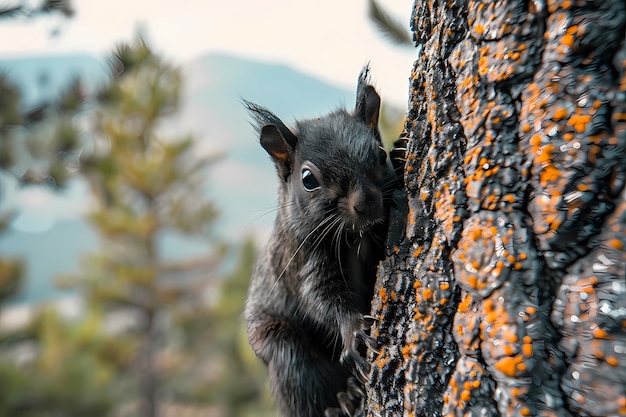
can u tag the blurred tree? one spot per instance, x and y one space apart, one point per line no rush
42 136
60 368
28 9
147 185
391 122
389 27
38 142
224 371
36 373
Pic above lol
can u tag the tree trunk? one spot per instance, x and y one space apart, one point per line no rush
148 377
504 292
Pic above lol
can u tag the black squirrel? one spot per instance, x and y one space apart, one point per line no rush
311 287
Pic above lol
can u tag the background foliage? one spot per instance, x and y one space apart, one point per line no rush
154 336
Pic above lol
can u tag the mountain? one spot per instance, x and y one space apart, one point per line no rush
48 231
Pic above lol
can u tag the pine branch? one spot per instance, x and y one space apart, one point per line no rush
389 27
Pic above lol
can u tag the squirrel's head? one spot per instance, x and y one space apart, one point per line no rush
332 169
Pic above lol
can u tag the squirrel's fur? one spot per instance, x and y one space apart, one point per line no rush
311 287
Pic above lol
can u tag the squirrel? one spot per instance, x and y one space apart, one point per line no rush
310 292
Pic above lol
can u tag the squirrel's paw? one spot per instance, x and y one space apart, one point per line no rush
353 333
398 154
348 401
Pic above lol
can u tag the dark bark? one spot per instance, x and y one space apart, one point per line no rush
504 292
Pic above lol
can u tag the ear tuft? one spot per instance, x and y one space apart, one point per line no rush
367 101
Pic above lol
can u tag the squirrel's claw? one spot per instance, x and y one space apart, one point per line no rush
348 400
333 412
353 332
369 321
345 403
362 368
355 390
398 154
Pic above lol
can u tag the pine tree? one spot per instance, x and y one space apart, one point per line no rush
147 185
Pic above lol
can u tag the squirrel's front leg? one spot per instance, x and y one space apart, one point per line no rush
304 380
353 331
332 304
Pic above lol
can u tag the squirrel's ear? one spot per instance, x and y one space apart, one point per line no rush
367 101
276 138
278 148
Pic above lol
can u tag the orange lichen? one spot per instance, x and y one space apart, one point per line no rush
427 293
475 233
382 363
560 114
612 360
568 40
621 401
472 281
616 244
599 333
509 365
465 303
527 350
545 153
383 295
510 337
465 395
406 351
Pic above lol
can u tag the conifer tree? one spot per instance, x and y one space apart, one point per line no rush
147 185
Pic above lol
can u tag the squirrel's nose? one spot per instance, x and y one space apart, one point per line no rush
366 202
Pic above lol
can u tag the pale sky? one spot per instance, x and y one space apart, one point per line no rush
329 39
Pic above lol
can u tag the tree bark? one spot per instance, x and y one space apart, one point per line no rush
504 290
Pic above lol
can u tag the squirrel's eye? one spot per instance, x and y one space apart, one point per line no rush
382 155
309 181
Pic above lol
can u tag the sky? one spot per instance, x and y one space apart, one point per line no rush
328 39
